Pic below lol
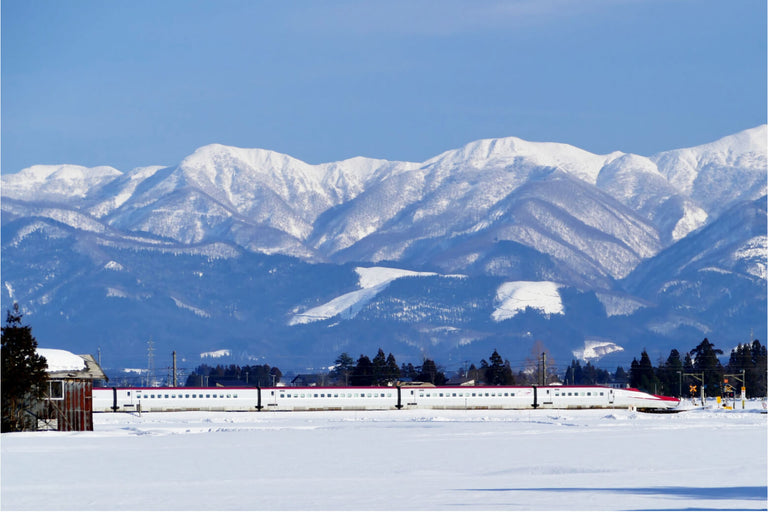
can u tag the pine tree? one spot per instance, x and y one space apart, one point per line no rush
494 375
757 377
362 375
393 371
408 371
642 375
668 374
343 367
23 373
706 362
428 372
379 368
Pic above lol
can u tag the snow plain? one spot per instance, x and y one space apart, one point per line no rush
395 460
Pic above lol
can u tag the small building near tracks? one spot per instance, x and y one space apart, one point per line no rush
68 402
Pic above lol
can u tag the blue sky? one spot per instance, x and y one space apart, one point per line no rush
143 82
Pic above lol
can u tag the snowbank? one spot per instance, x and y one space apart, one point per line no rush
396 460
514 296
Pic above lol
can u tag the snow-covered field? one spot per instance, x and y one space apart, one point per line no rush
395 460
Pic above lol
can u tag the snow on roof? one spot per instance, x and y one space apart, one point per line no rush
61 360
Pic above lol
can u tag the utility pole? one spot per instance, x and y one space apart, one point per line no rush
544 368
175 381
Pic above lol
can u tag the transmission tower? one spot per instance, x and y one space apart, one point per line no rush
150 363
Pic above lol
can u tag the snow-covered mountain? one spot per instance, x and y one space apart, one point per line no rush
619 226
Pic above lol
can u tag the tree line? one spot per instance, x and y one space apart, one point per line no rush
678 375
701 369
260 375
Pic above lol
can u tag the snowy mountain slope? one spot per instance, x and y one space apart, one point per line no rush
372 281
66 184
515 296
324 211
633 241
731 245
718 174
712 281
591 237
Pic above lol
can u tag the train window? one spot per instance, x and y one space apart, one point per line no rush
569 393
129 393
474 394
315 395
322 395
441 394
186 396
234 396
282 396
589 393
173 396
207 396
486 394
166 396
512 394
152 396
302 395
601 393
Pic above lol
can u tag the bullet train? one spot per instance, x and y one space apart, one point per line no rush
374 398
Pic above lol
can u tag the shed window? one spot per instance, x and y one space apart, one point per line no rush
56 390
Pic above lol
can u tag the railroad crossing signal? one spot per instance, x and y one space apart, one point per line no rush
692 388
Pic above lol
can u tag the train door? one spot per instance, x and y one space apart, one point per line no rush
547 398
272 398
411 398
611 396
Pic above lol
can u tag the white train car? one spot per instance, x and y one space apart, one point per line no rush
374 398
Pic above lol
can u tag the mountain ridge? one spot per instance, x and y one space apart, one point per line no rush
496 211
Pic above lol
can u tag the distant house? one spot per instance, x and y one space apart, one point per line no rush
68 404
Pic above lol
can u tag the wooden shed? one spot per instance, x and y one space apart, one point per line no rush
68 404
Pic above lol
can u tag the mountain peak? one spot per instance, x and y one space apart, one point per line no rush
504 152
56 182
